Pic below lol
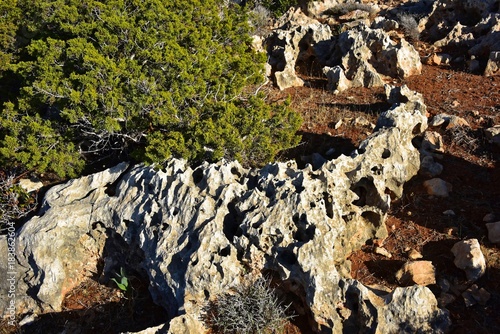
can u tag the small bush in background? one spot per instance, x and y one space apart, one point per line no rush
409 26
344 8
276 7
252 308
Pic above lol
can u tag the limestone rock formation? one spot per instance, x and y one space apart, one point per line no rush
472 25
364 57
296 39
196 233
358 57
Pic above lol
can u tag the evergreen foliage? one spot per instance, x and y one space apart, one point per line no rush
146 78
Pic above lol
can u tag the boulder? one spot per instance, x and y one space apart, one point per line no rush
30 185
468 257
432 142
337 81
475 295
199 232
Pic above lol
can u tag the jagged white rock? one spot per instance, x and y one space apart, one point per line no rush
201 231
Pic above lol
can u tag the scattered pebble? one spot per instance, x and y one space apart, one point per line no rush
382 251
449 213
438 187
414 255
489 218
475 295
444 284
338 124
446 299
493 232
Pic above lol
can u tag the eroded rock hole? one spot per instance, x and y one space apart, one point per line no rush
367 193
386 154
287 257
305 231
197 175
232 221
305 235
328 199
236 172
377 170
98 225
373 217
417 129
226 251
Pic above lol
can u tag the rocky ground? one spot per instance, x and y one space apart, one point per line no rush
418 221
419 224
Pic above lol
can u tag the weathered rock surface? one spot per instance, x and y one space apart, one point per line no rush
364 57
472 25
468 257
296 39
199 232
358 57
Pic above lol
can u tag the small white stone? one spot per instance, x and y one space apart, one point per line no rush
383 251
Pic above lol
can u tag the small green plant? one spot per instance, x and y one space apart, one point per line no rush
251 308
123 283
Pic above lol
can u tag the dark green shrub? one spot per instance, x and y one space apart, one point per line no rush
144 78
251 309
